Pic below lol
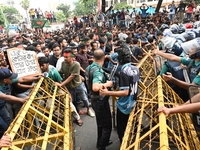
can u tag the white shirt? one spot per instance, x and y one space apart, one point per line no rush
59 63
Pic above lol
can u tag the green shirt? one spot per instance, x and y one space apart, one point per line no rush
187 61
73 69
7 86
98 75
54 75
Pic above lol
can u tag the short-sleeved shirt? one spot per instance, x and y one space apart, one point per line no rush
187 61
129 77
83 60
73 69
6 89
98 75
54 75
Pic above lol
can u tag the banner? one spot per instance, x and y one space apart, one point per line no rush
23 62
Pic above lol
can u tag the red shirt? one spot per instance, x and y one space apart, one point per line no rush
1 28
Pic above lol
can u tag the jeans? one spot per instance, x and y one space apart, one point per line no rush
127 22
189 15
4 120
81 91
171 17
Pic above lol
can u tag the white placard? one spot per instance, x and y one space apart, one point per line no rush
23 62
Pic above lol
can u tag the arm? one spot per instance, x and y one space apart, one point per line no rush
28 79
12 99
178 82
114 93
67 80
24 86
98 86
190 108
167 56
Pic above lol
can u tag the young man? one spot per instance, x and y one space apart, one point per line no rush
83 58
96 80
55 76
128 81
6 79
73 82
56 55
194 70
46 51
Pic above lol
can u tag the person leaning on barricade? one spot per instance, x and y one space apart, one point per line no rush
6 79
193 63
128 81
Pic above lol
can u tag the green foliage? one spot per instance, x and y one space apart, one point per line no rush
197 2
60 17
25 4
1 20
85 7
12 15
122 5
65 9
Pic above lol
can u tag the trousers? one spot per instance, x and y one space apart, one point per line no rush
104 122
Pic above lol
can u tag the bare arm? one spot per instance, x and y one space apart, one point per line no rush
67 80
178 82
167 55
114 93
28 79
98 86
12 99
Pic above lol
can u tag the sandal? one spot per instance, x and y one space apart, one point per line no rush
79 122
82 112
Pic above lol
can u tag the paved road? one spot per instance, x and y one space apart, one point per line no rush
86 135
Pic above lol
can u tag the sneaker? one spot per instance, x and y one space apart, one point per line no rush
91 112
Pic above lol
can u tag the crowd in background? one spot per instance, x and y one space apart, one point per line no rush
111 32
37 13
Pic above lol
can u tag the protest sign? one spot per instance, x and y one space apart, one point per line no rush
23 62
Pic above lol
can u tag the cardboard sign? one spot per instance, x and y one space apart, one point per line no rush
23 62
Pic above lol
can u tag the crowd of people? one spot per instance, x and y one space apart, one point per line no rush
38 13
79 59
127 17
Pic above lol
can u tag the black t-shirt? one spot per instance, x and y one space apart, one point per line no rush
136 52
53 60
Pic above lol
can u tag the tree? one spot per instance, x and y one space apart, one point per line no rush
25 4
65 8
85 8
12 15
122 5
103 6
60 17
197 2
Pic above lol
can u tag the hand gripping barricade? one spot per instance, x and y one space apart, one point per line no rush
146 129
44 121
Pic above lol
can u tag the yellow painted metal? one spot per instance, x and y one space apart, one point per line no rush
146 129
44 121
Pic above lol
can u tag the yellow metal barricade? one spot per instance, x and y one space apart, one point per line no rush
146 129
44 122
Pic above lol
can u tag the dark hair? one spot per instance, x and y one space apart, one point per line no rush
82 46
92 43
31 48
60 40
128 40
99 54
124 55
102 40
91 35
68 50
55 45
43 60
35 44
45 47
135 41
